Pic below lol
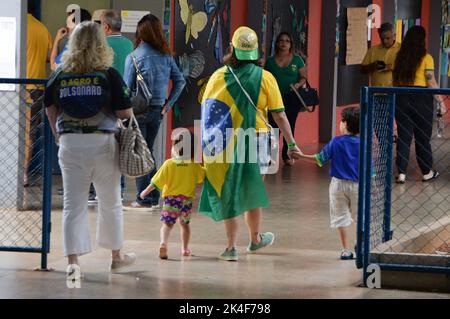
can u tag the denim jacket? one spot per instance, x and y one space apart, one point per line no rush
157 69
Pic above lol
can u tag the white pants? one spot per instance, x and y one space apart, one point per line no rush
86 158
343 202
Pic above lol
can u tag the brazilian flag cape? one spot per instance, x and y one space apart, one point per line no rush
230 188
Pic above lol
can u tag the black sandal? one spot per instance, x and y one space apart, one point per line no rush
435 175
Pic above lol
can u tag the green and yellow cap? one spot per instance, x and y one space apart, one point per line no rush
245 44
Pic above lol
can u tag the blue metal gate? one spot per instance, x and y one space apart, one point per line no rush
26 144
401 226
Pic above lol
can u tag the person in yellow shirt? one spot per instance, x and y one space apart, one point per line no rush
176 180
39 45
379 60
414 67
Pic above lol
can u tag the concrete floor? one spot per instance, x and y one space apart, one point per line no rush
302 263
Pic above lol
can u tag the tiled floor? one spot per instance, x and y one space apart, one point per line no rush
302 263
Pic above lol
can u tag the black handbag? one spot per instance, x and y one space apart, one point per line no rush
305 98
141 98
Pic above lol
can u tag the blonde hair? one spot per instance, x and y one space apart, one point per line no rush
87 50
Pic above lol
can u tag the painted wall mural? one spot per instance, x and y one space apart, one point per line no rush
275 16
202 34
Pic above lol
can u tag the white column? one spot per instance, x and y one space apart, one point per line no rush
12 115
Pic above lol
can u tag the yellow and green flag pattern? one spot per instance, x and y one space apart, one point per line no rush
231 187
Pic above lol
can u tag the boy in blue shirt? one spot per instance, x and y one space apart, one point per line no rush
343 151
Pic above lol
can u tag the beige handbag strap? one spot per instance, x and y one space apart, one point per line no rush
132 120
299 96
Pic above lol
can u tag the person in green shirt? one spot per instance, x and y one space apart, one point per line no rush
111 22
288 69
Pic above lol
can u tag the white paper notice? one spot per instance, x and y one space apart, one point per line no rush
130 20
356 35
8 51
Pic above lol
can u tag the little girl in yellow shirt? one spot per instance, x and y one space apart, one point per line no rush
176 180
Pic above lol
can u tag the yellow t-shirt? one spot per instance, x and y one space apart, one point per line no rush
39 42
388 56
269 99
177 177
427 64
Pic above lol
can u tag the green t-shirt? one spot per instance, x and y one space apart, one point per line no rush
288 75
122 47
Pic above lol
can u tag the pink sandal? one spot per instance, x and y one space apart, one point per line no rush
186 252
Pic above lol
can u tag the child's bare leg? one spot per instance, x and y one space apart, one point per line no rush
165 232
185 231
344 236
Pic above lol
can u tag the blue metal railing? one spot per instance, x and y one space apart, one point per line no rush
362 180
47 183
363 250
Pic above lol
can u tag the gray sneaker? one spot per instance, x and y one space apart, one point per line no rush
127 260
229 255
267 239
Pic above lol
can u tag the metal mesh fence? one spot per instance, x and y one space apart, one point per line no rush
381 176
408 221
21 167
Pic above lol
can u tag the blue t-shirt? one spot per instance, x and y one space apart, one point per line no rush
343 151
59 56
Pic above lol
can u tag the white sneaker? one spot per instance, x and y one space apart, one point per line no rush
73 272
93 200
134 206
127 260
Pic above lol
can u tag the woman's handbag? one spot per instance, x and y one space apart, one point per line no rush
306 98
140 100
135 158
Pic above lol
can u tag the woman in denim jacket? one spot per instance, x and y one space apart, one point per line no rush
158 67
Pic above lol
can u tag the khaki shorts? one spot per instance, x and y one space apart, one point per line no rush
343 202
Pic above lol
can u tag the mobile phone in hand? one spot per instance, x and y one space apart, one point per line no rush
381 65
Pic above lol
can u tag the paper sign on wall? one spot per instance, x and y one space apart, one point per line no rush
8 51
357 35
130 20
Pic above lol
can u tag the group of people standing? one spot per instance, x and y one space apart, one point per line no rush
85 96
406 64
90 88
87 93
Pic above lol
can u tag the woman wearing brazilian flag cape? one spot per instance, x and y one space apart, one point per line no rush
237 99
